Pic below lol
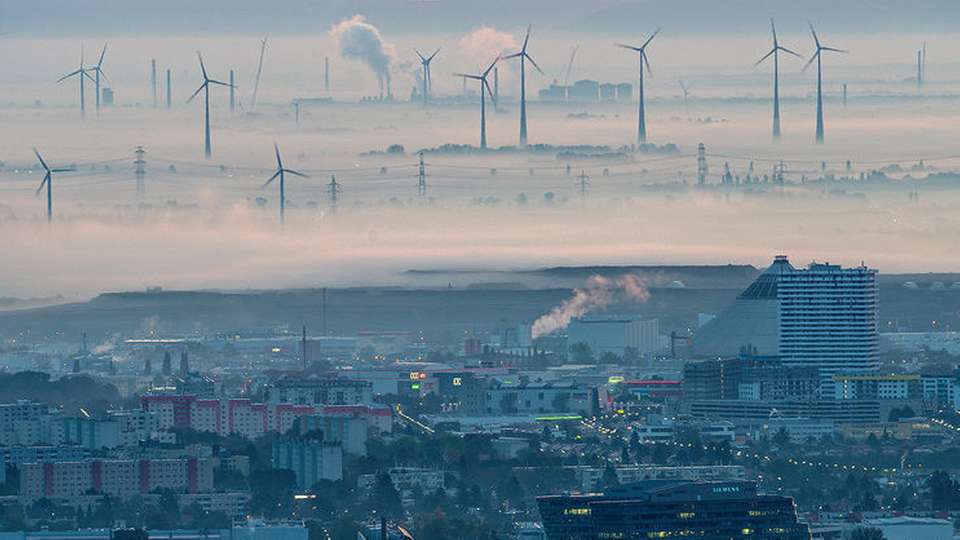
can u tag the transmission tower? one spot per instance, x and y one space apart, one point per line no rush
140 169
422 179
333 190
701 165
583 184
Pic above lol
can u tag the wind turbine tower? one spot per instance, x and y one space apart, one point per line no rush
425 64
205 87
281 173
644 61
484 89
818 56
775 53
256 80
98 71
523 55
80 73
48 183
153 81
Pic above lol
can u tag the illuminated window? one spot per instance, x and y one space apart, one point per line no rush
687 515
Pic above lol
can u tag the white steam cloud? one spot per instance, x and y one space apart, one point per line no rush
362 41
485 43
598 293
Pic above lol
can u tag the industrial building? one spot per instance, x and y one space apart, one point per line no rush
616 334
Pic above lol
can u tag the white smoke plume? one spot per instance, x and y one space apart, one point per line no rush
362 41
598 293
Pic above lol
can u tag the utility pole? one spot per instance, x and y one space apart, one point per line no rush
422 179
333 189
583 184
153 81
140 169
233 88
701 165
169 93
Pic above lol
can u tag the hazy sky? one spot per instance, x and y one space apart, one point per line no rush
200 224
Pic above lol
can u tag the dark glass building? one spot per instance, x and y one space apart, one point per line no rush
670 509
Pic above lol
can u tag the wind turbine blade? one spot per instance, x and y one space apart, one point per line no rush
534 63
646 62
649 39
104 75
466 76
422 59
221 83
489 91
46 178
202 67
193 95
271 179
768 55
103 52
831 49
432 55
276 149
814 32
810 61
629 47
87 75
773 28
788 51
295 173
526 38
68 75
514 55
67 169
495 60
42 162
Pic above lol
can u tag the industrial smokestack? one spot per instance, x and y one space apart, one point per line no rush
153 81
326 73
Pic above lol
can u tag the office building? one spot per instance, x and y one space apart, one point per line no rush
727 510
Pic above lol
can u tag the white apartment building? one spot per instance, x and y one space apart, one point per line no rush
828 319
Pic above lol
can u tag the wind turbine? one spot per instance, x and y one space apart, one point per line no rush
48 183
775 52
425 62
818 57
642 50
205 86
281 171
80 73
98 71
523 55
483 99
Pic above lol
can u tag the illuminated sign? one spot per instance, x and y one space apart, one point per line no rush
457 381
614 379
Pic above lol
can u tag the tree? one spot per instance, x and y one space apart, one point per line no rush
384 498
272 492
609 358
781 437
867 533
581 353
345 528
631 356
610 478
